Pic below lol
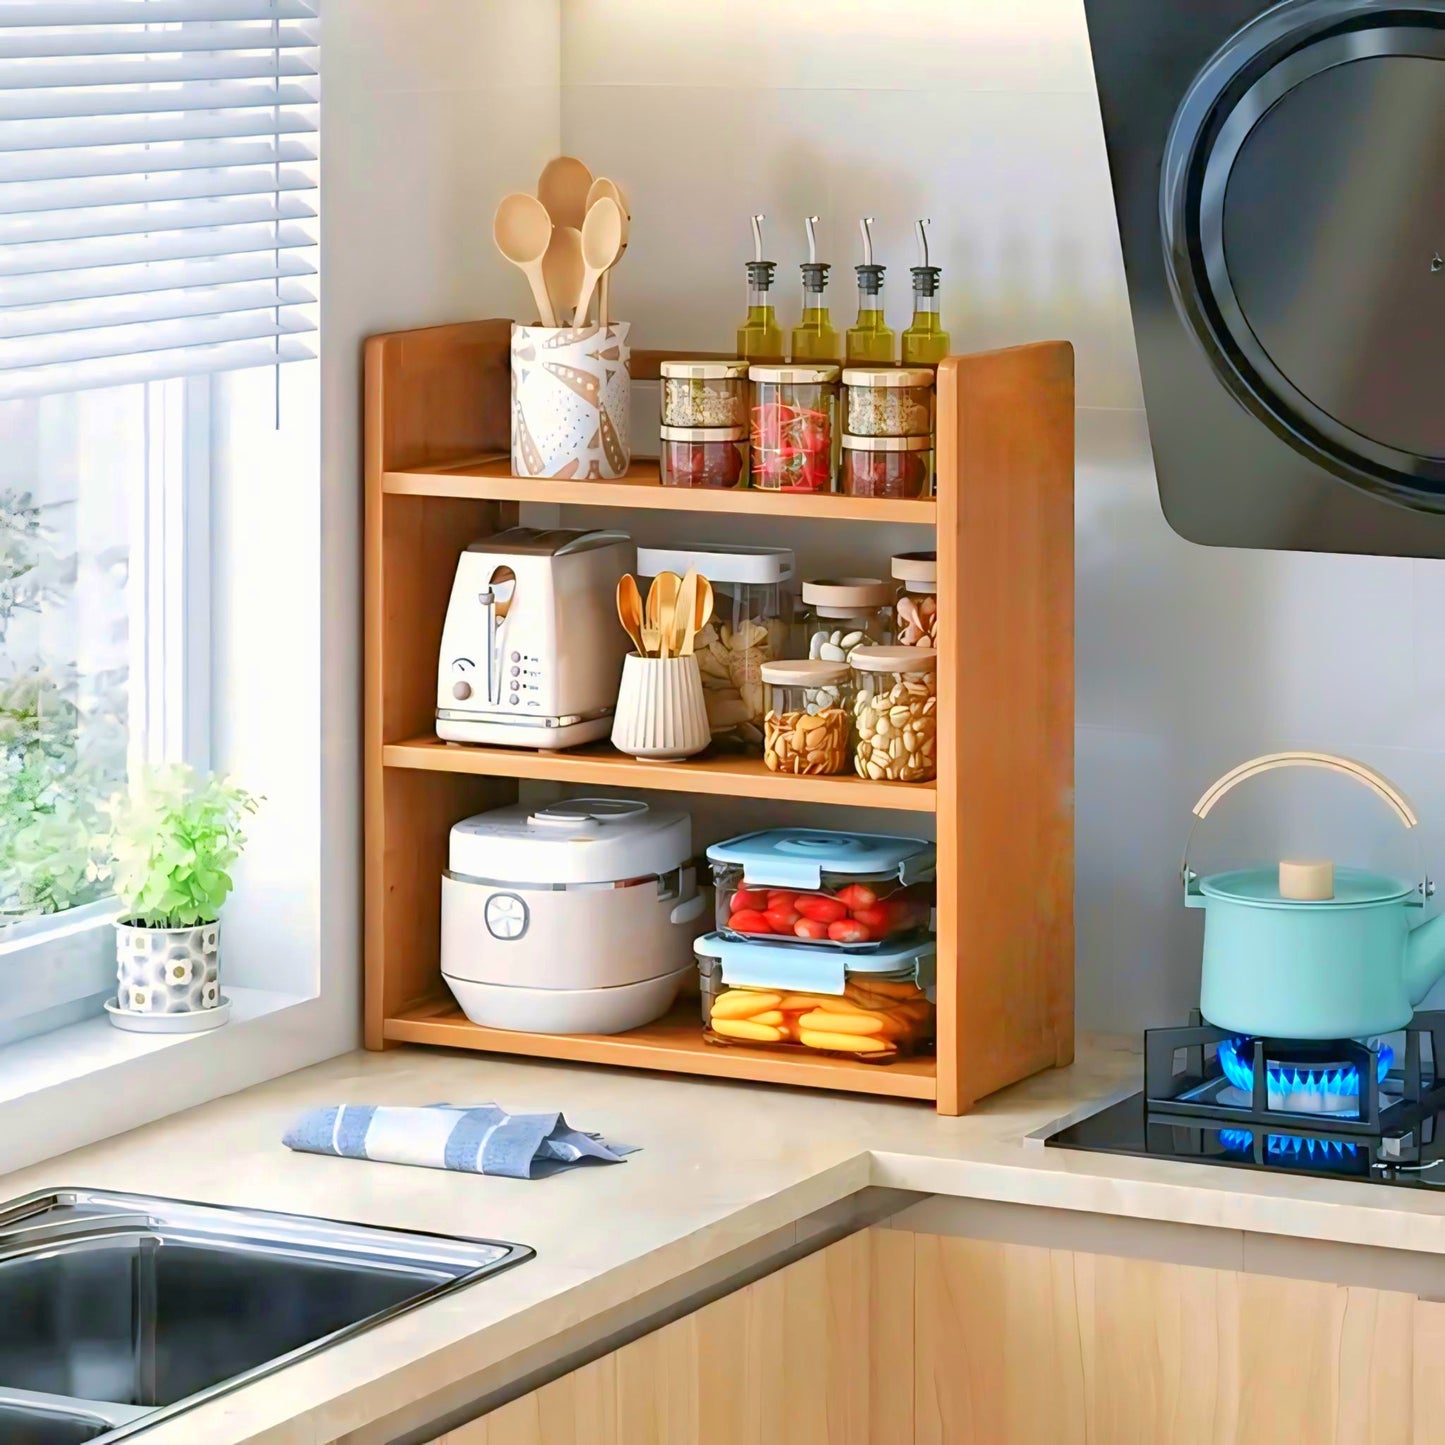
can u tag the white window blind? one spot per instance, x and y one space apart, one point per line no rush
157 188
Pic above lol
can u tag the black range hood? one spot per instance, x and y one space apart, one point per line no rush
1279 176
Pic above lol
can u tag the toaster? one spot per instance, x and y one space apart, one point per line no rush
531 651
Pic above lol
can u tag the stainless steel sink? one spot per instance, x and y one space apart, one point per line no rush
117 1310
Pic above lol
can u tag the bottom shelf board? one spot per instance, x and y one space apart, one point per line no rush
674 1044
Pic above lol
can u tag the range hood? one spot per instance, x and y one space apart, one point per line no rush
1279 176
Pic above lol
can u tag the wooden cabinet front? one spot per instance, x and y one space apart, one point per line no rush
890 1337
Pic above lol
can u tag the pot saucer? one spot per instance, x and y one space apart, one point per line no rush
199 1022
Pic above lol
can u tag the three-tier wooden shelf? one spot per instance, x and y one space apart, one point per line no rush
438 477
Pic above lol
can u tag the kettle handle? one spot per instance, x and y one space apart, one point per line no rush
1381 786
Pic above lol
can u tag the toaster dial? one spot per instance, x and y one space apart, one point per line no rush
506 916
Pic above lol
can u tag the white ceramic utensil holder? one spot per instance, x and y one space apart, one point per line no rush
571 401
660 710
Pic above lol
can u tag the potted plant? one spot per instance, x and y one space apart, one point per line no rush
173 838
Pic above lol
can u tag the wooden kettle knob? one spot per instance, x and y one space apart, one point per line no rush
1307 881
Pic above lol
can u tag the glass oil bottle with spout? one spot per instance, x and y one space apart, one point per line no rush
814 337
870 342
760 338
925 342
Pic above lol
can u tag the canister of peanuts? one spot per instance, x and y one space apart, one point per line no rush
895 714
808 722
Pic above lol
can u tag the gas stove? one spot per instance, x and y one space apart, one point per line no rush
1367 1109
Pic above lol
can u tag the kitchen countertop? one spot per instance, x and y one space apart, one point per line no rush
722 1166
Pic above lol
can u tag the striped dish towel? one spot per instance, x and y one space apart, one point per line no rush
471 1138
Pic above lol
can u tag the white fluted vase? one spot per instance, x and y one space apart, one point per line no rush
660 710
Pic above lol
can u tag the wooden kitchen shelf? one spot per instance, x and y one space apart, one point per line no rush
602 764
673 1044
490 479
437 433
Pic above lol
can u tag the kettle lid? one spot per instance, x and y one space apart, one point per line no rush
1261 886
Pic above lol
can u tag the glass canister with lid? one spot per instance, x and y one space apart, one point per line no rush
795 427
704 393
808 725
886 466
751 622
895 714
888 401
915 607
874 1007
841 613
715 456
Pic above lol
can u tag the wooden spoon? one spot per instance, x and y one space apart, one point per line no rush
601 245
683 614
562 270
661 604
701 616
629 610
522 230
562 188
603 187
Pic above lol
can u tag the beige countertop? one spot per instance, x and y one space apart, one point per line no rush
723 1166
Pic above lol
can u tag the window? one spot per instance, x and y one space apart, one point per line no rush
157 205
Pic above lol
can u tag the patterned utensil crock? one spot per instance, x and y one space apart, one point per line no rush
571 401
168 970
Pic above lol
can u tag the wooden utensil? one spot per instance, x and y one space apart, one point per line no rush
683 615
661 604
601 245
701 615
599 188
629 610
562 188
522 230
562 270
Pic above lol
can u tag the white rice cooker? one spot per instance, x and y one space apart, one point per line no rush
576 917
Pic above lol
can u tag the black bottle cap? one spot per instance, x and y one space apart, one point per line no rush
815 275
870 279
925 280
760 274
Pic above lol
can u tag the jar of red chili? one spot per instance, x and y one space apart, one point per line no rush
795 427
886 466
695 456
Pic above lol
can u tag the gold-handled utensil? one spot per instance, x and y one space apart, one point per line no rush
661 604
683 614
629 611
522 230
701 615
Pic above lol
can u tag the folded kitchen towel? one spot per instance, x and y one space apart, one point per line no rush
472 1138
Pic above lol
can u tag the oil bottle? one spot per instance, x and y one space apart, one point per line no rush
814 337
760 338
870 342
925 342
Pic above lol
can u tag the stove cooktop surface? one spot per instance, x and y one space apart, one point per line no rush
1369 1110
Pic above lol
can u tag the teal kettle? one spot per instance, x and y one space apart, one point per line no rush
1306 950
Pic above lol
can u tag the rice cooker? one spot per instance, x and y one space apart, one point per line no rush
575 917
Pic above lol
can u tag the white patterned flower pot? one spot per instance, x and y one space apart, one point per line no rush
571 401
168 970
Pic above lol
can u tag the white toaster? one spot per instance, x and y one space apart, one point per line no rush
531 652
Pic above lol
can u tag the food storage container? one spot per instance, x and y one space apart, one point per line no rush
751 621
575 917
895 714
795 427
888 402
808 724
807 886
886 466
841 613
875 1007
916 604
704 393
703 456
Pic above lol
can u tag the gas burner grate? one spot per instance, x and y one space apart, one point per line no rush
1290 1147
1302 1088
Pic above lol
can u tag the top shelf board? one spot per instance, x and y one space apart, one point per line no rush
490 479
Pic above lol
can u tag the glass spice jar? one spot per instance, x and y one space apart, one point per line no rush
807 724
885 466
895 714
888 402
915 608
841 613
795 427
703 456
704 393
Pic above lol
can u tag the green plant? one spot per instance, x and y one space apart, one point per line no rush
173 837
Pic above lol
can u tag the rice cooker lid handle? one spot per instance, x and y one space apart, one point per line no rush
587 813
1378 784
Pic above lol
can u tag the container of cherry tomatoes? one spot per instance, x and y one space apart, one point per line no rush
694 456
874 1007
801 886
795 433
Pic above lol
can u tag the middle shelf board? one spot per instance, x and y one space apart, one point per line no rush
601 764
490 479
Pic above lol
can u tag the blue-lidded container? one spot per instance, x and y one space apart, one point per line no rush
853 891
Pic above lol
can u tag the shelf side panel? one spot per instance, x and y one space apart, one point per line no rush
1006 685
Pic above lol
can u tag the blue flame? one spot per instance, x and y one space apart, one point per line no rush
1342 1081
1290 1146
